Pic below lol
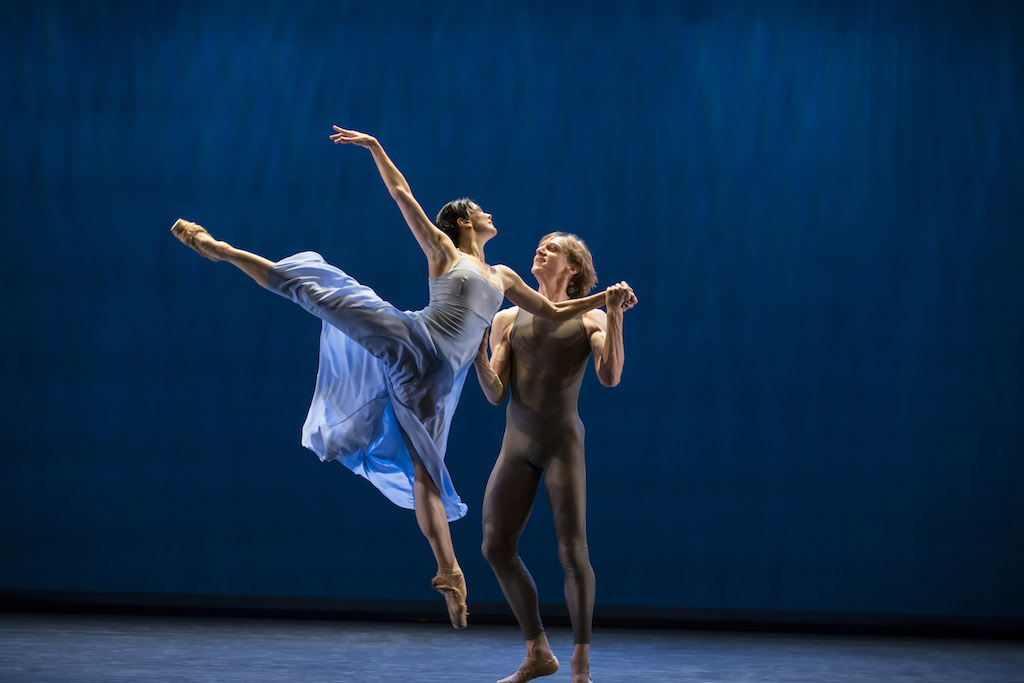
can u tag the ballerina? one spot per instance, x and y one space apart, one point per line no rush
389 381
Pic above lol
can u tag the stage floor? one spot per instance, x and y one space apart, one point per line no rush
52 648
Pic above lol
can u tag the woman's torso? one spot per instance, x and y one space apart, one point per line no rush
462 304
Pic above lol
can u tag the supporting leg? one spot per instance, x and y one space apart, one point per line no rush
433 523
507 503
567 494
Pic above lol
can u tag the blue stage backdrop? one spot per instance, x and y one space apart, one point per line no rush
819 205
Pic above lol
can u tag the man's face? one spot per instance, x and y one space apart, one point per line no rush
550 259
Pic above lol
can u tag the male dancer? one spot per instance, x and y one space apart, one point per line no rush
542 363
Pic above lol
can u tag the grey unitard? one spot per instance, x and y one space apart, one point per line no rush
543 436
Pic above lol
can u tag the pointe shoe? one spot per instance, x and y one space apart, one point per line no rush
453 588
532 669
197 238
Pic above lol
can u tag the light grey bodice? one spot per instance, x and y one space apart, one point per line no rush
462 304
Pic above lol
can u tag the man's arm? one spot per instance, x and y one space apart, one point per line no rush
606 338
493 374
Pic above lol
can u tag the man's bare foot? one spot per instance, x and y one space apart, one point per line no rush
195 236
532 668
580 663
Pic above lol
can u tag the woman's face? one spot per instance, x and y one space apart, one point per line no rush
481 220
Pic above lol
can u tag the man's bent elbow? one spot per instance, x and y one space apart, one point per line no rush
495 398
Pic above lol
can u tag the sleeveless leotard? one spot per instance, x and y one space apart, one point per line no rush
388 381
548 363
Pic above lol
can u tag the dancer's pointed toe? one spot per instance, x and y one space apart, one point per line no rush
453 588
196 237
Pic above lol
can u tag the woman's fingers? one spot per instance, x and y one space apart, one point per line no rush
621 295
343 135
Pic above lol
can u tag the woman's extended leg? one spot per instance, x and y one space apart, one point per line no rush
195 236
433 523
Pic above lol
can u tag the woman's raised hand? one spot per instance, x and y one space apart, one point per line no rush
351 137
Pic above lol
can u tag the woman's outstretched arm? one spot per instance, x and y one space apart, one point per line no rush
436 245
532 301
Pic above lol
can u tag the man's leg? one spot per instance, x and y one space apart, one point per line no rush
508 500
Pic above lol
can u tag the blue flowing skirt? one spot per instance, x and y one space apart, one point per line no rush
385 394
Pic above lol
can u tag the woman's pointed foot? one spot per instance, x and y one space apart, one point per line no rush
453 588
533 668
196 237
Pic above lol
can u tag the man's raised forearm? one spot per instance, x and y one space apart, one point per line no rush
613 355
490 383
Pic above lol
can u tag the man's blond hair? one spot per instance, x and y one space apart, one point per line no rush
578 255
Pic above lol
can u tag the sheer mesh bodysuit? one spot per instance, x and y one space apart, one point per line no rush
543 436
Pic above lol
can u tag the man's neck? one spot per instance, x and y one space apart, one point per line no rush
554 291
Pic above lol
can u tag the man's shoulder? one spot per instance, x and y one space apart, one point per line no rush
595 320
503 319
506 315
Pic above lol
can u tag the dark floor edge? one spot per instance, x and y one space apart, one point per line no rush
608 616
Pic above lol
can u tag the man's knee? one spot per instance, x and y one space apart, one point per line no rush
497 550
575 558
